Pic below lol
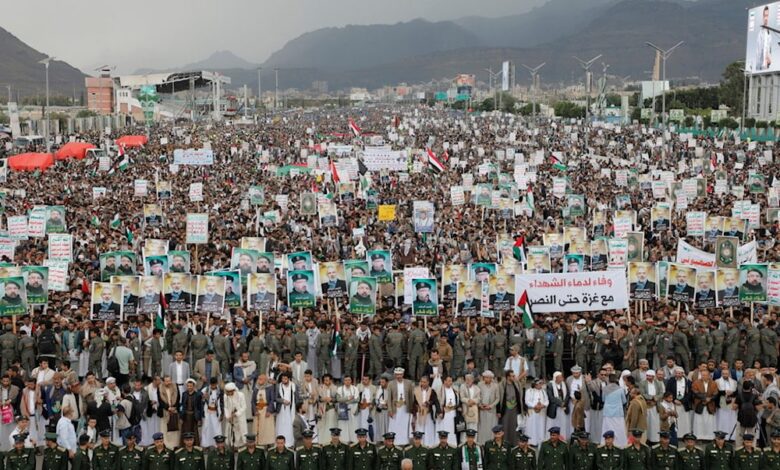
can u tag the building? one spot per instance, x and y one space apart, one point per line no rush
100 92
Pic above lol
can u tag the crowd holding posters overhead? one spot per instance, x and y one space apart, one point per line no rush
178 291
149 294
245 261
36 280
642 281
333 280
752 280
426 297
131 288
106 301
423 216
179 261
210 292
682 280
299 261
232 288
381 266
452 274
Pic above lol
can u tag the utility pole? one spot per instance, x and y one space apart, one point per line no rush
534 76
46 62
586 67
664 55
259 88
276 89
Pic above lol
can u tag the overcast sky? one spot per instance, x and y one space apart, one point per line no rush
170 33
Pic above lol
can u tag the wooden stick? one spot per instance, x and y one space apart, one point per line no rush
678 311
752 305
731 312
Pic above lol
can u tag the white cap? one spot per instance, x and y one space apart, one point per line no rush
230 387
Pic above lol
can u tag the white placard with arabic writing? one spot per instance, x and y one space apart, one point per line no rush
575 292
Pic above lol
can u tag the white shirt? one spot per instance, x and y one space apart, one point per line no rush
680 388
400 388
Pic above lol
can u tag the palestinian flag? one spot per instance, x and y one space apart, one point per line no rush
120 151
334 173
159 317
124 164
525 309
434 162
354 128
557 164
518 250
335 340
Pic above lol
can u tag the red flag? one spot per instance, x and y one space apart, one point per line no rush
84 286
334 173
354 128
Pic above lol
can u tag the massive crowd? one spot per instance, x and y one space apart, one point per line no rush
287 387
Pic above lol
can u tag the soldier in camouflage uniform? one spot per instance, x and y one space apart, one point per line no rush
250 457
157 456
130 457
220 458
189 457
443 456
417 452
54 456
394 344
416 346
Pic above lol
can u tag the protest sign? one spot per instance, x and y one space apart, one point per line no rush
193 156
61 246
17 227
58 274
414 272
196 192
386 212
574 292
426 301
197 228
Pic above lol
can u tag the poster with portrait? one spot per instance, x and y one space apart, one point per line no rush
756 183
55 220
555 242
179 261
253 243
641 281
244 261
481 271
131 286
752 282
483 195
106 301
362 295
426 298
299 261
232 288
599 254
355 268
178 291
733 227
346 190
507 254
154 247
598 224
581 247
660 218
149 299
10 270
726 250
451 275
636 244
266 262
573 263
36 284
773 214
423 216
164 190
308 203
538 260
153 215
301 289
502 293
328 213
574 234
333 281
210 294
576 205
727 287
256 195
705 289
261 292
381 265
155 265
712 226
469 298
681 280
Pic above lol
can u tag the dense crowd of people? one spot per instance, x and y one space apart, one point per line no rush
324 388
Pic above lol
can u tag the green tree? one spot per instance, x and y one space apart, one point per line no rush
732 86
567 109
85 113
527 109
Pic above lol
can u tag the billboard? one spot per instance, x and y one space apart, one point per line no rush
505 76
763 52
464 79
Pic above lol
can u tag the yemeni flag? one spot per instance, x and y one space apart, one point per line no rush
518 249
334 173
354 128
445 156
525 309
335 340
557 164
434 163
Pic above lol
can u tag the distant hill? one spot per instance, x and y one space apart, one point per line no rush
19 67
220 60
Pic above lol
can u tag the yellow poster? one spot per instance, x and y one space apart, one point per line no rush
386 212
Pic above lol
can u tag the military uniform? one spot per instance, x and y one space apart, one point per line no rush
418 456
105 458
20 460
394 341
80 460
55 458
716 458
496 456
361 458
691 459
9 343
335 456
479 350
520 459
249 461
154 460
553 457
221 460
276 460
443 458
636 458
718 340
582 458
184 459
609 458
770 459
744 460
416 350
540 351
663 458
309 459
389 458
131 459
459 348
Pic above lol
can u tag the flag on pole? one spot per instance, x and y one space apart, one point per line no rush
95 221
518 250
334 173
525 309
116 221
159 317
354 128
336 340
434 162
445 156
120 151
129 235
557 164
529 200
124 164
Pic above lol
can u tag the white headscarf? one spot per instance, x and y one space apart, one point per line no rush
622 382
555 385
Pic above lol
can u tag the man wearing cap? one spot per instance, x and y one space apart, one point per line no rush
105 456
81 457
20 457
416 452
389 456
691 458
335 453
748 457
309 456
362 455
54 456
664 456
280 457
553 453
772 454
718 455
609 457
497 450
220 458
637 455
470 453
522 457
249 457
399 406
130 457
188 457
157 456
443 456
582 453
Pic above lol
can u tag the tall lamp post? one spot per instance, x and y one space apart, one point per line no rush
586 65
259 88
494 79
46 62
664 55
276 90
534 74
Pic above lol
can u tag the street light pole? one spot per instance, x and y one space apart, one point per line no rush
276 90
46 62
586 67
664 55
534 73
259 88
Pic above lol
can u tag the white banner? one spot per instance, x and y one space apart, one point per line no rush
196 192
384 158
197 228
58 274
690 255
17 227
574 292
7 247
140 188
193 156
61 246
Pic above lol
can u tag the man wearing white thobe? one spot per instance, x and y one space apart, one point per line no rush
399 407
